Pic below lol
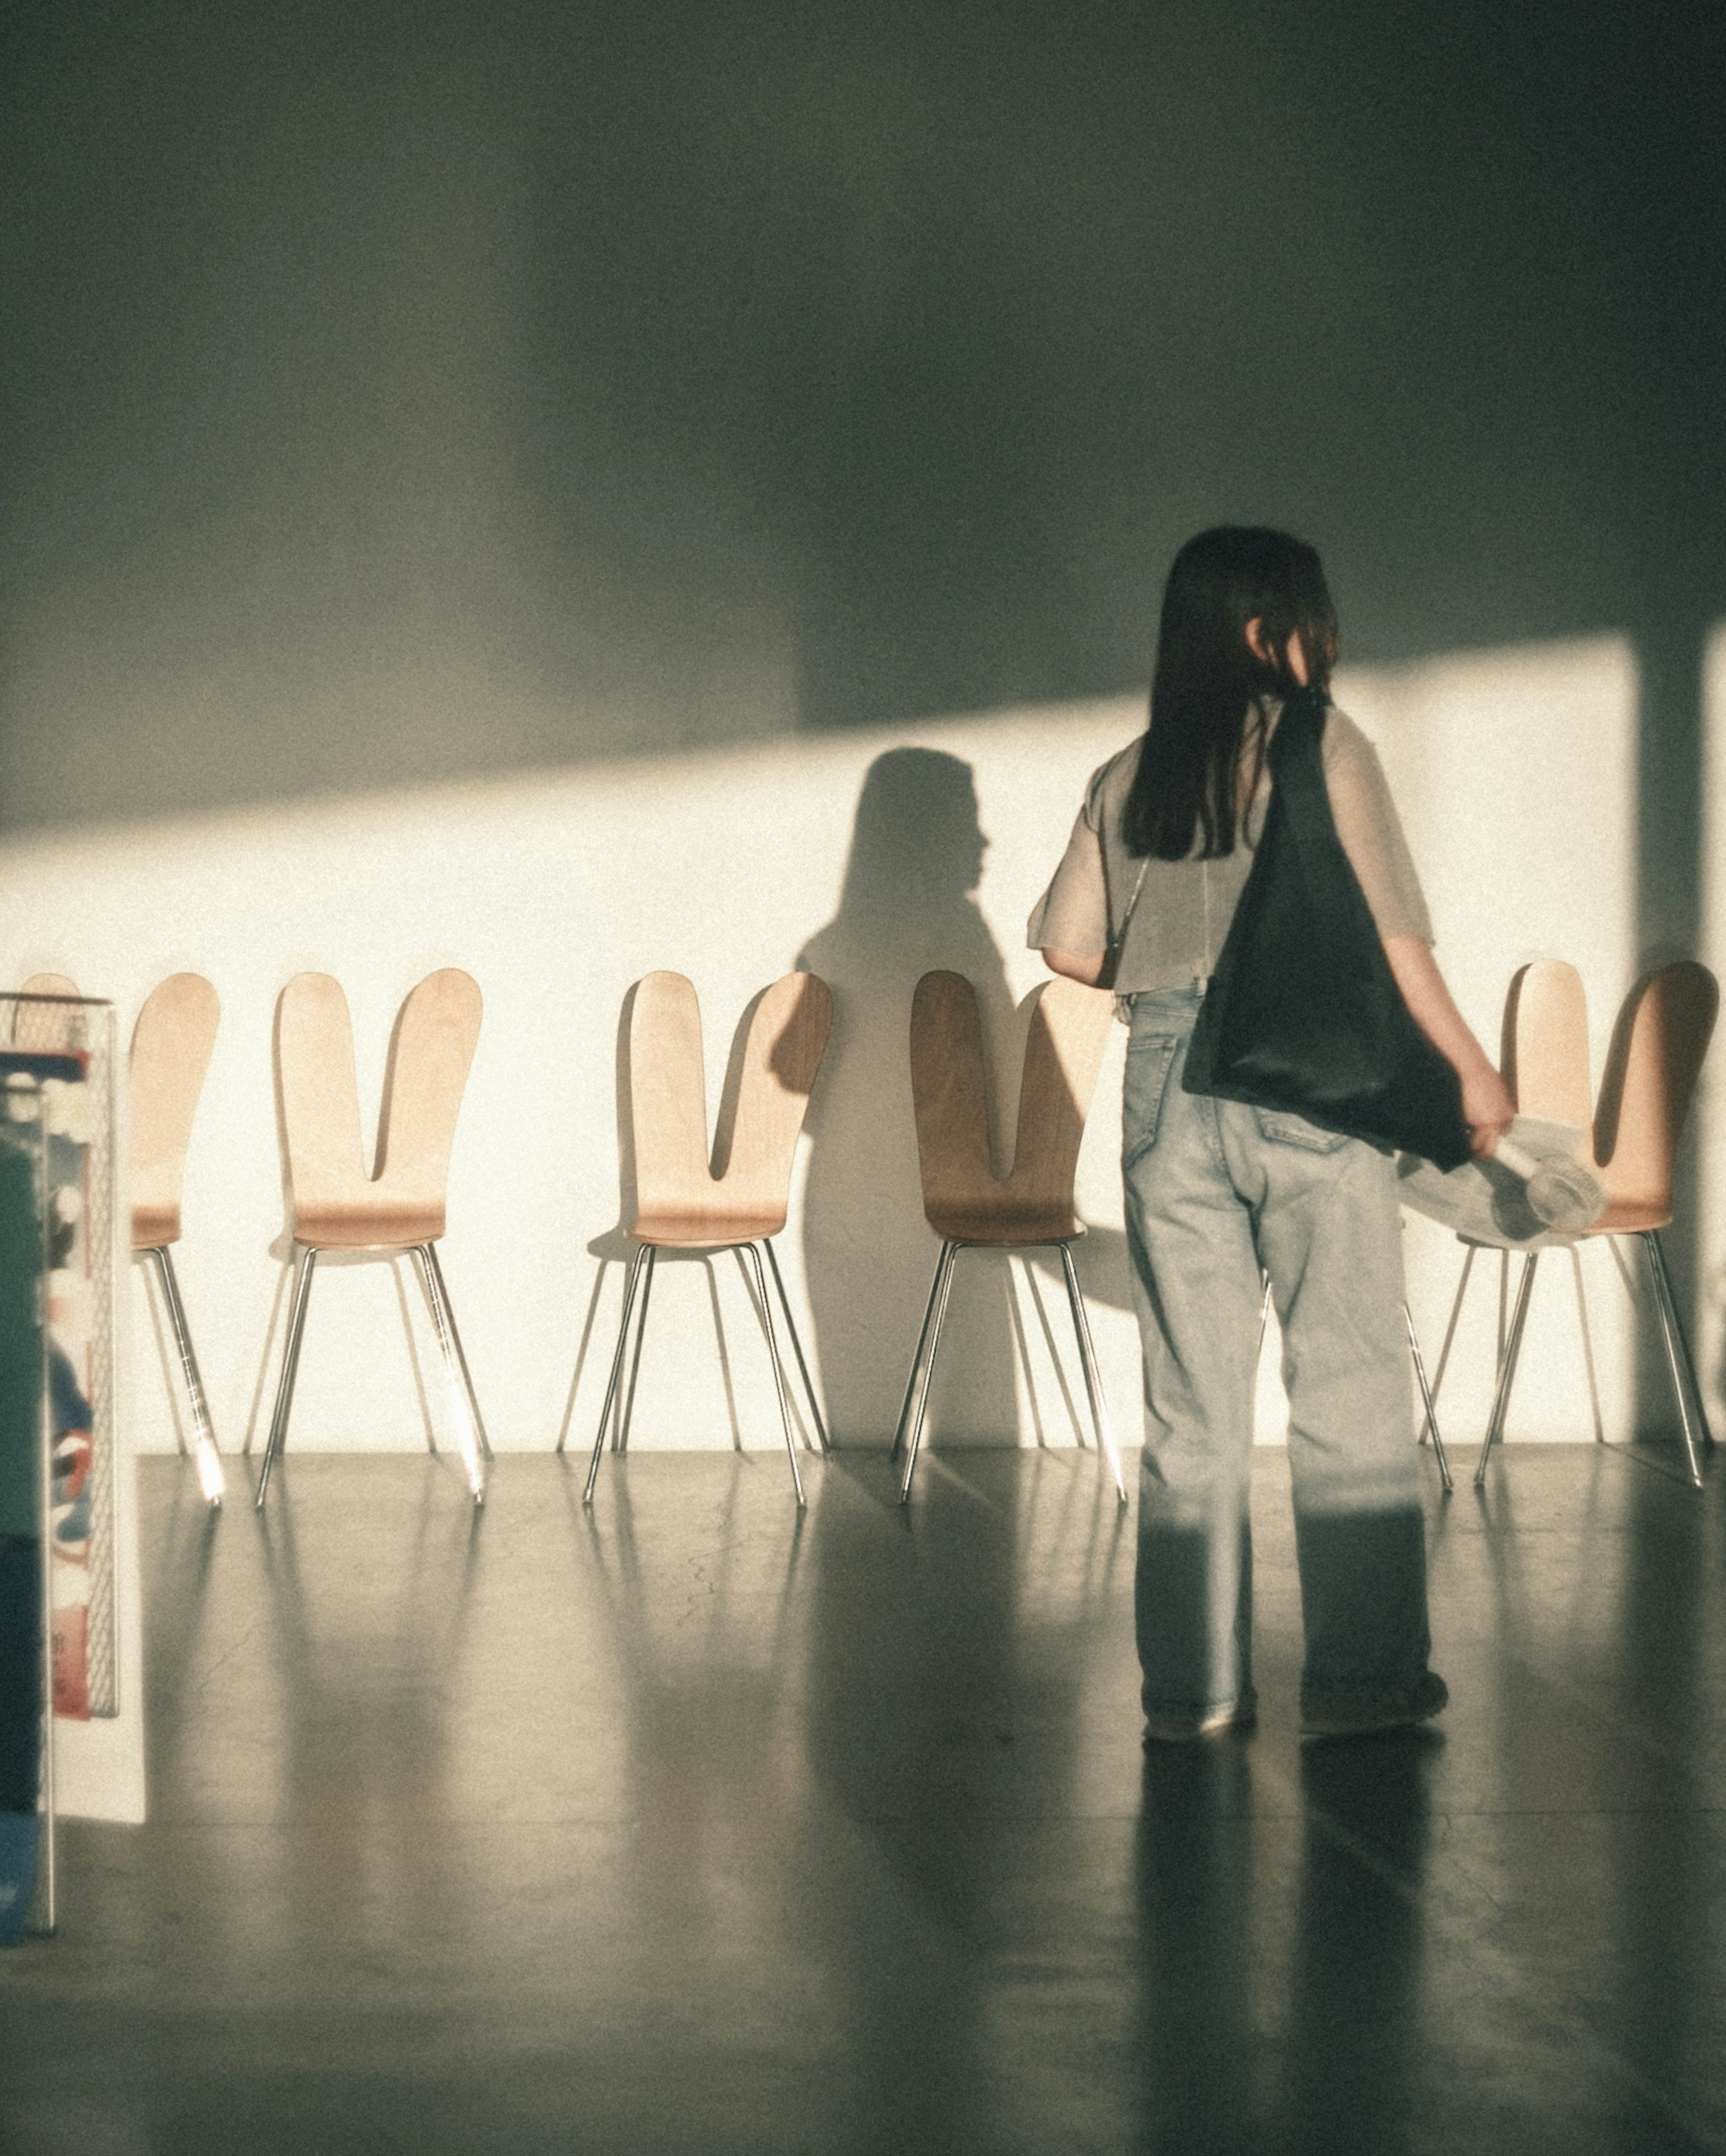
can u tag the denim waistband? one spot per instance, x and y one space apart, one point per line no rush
1170 1003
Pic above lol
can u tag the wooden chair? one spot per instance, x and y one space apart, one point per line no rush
967 1204
1658 1043
171 1048
401 1205
675 1199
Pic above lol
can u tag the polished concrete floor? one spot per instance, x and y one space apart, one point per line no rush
690 1826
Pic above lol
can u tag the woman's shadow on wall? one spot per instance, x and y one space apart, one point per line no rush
907 905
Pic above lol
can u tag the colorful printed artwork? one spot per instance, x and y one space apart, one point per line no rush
69 1524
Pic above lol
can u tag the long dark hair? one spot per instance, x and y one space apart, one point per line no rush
1208 677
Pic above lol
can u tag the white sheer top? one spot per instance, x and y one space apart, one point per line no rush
1183 908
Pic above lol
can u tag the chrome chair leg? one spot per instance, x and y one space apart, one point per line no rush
773 1351
1507 1368
1678 1351
290 1366
1689 1360
916 1359
616 1368
797 1347
626 1409
1594 1389
1431 1410
1093 1378
435 1272
467 1432
1450 1331
949 1253
209 1455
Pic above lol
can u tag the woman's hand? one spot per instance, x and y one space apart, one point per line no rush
1487 1108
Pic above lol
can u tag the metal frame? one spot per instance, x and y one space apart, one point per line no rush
470 1439
48 1801
1429 1401
1510 1354
206 1451
620 1406
1680 1368
935 1316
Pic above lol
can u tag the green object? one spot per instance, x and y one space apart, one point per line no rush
20 1343
18 1837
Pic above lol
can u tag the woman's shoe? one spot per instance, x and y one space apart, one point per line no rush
1189 1729
1358 1714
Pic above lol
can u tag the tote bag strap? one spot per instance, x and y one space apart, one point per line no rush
1118 941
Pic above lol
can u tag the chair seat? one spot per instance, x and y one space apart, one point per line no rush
1003 1224
712 1228
154 1227
1628 1216
384 1227
1624 1216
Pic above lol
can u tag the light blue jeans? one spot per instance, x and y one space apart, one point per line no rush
1215 1191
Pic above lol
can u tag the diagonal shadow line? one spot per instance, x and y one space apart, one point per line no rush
1015 1317
284 1281
425 1413
791 1401
719 1342
1066 1394
581 1354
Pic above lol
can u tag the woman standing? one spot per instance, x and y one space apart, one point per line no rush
1217 1192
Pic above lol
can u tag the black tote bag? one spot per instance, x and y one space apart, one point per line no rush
1303 1013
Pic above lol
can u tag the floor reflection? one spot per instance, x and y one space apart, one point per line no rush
950 1682
1195 1886
1282 1939
367 1602
680 1825
1353 2064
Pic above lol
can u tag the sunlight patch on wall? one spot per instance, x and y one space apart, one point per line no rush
1515 772
556 889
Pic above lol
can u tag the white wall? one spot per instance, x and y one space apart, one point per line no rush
1515 772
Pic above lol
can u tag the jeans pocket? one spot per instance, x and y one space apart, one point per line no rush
1279 1128
1150 1056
